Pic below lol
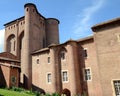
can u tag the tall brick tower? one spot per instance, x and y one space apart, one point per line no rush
28 34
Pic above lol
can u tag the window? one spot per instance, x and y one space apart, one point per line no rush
27 9
118 37
13 79
38 61
62 55
64 76
116 84
48 59
14 46
85 53
49 78
87 74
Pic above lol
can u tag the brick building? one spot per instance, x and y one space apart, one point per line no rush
86 66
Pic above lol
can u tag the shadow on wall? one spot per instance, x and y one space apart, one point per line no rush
2 79
35 88
83 56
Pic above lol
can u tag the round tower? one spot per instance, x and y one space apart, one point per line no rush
26 63
52 31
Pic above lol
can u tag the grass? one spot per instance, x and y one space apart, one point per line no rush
6 92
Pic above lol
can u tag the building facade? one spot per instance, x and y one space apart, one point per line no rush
87 66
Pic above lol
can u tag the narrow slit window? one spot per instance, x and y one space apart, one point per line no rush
49 78
64 76
38 61
48 59
87 74
63 55
14 45
85 54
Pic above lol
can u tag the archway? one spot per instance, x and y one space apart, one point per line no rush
11 42
21 40
66 92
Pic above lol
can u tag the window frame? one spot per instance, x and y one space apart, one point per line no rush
48 60
113 86
49 79
15 79
37 61
118 37
62 55
85 53
65 79
90 74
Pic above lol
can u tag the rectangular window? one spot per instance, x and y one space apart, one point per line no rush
64 76
13 79
87 74
116 84
118 37
48 59
85 53
49 78
62 55
14 46
38 61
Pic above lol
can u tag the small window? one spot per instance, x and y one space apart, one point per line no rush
85 53
48 59
27 9
38 61
118 37
13 79
62 55
14 46
87 74
64 76
49 78
116 84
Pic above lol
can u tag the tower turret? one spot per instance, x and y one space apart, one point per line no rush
27 48
52 31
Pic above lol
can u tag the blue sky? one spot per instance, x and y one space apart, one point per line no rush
76 16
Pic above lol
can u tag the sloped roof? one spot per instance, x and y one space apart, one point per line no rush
8 56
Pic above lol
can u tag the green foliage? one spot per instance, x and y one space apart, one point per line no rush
55 94
6 92
17 89
37 93
47 94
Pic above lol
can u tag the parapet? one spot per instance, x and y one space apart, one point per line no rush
54 19
29 4
107 23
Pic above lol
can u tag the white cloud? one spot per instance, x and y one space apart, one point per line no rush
83 19
2 32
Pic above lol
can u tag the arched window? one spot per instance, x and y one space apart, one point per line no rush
11 43
21 39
